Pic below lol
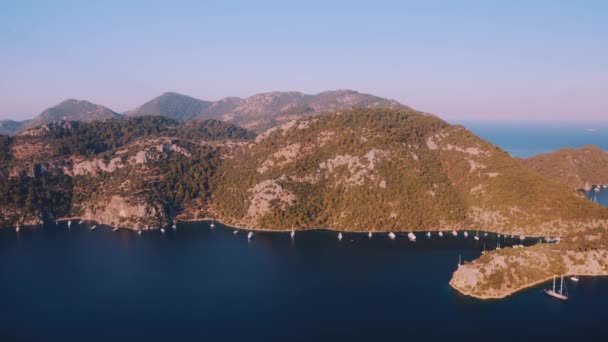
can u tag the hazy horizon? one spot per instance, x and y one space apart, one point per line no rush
469 60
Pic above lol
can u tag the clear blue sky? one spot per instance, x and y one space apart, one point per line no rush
459 59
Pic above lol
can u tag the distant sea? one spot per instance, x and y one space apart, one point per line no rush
525 139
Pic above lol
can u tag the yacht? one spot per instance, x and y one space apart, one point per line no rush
428 234
340 236
17 228
94 227
369 235
174 226
574 278
81 222
391 235
466 234
69 223
250 236
162 230
498 246
476 237
115 228
292 234
139 231
560 294
440 234
212 225
411 236
235 232
455 233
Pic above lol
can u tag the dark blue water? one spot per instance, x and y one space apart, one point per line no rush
527 139
203 284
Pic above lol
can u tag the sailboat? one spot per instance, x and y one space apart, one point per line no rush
466 234
250 236
455 233
411 236
440 234
340 236
162 230
369 235
476 237
94 227
235 232
69 223
212 225
560 294
498 246
81 222
292 234
484 248
499 236
139 231
115 228
174 226
574 278
17 228
522 238
485 234
391 235
428 234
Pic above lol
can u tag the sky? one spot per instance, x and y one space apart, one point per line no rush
461 60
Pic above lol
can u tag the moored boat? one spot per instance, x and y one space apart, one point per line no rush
560 294
250 236
411 236
391 235
340 236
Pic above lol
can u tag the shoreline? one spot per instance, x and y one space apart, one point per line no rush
521 288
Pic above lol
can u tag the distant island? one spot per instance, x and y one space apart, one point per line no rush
360 167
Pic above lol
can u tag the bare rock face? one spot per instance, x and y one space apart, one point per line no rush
129 213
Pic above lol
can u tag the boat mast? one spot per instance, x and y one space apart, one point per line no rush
554 283
561 285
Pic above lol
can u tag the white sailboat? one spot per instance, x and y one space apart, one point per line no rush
485 234
250 236
466 234
454 233
235 232
499 236
428 235
411 236
17 228
139 231
69 223
292 234
174 226
484 248
94 227
340 236
440 234
522 238
162 230
560 294
498 246
391 235
115 228
574 278
81 222
476 237
212 225
369 235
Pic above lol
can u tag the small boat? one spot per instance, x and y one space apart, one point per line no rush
174 227
212 225
81 222
512 236
411 236
94 227
292 234
466 234
560 294
498 246
455 233
340 236
499 236
162 230
56 223
69 223
597 189
17 228
485 234
369 235
440 234
574 278
115 229
235 232
484 248
476 237
391 235
250 236
139 231
522 238
428 235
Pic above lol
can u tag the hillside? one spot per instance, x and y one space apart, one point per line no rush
9 126
262 111
577 168
175 106
136 172
73 110
390 170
